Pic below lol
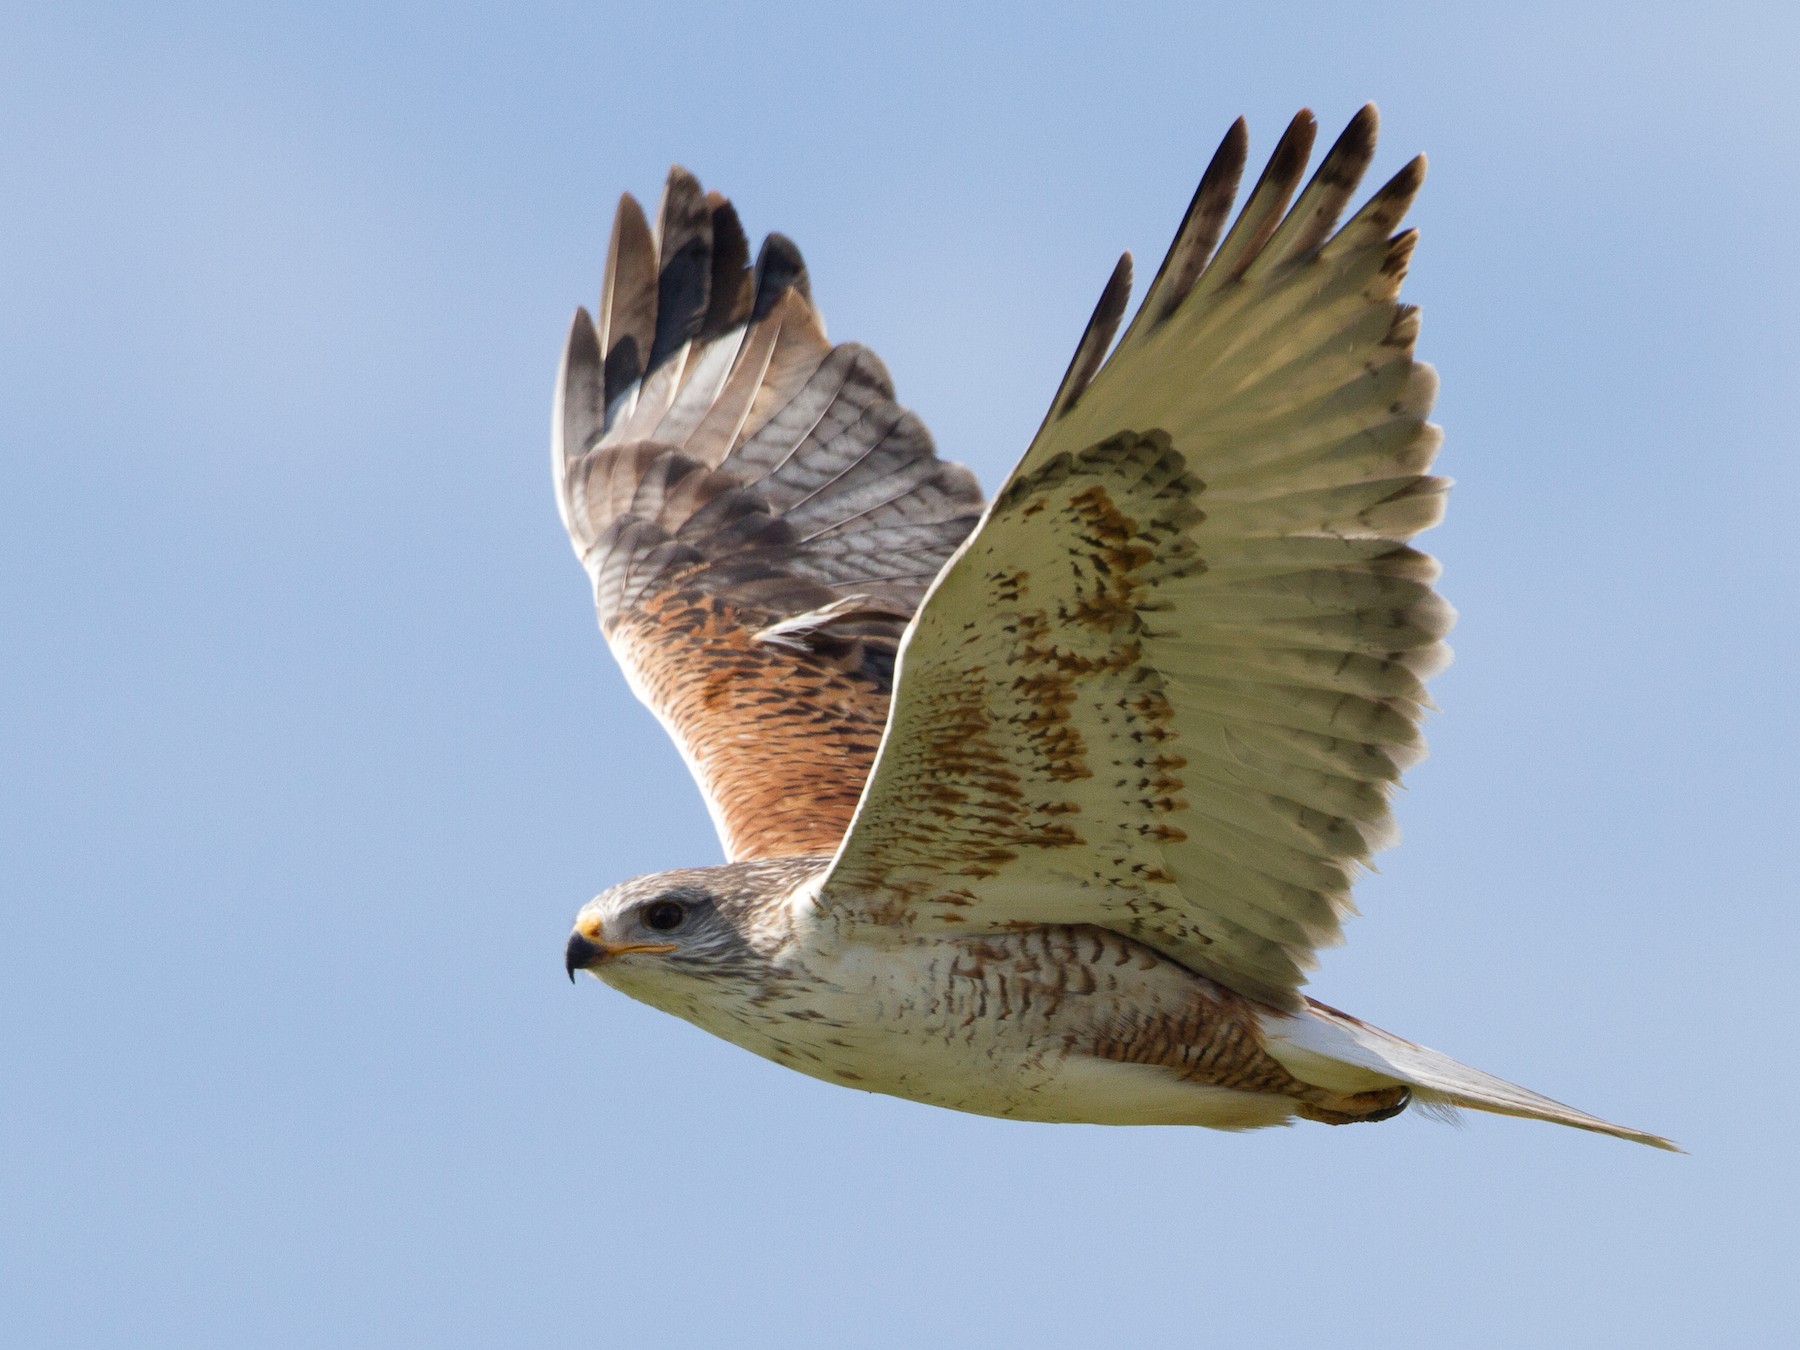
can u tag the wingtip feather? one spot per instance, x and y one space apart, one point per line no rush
1199 231
627 314
1096 338
576 410
779 268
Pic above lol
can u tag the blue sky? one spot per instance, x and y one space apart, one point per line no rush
313 749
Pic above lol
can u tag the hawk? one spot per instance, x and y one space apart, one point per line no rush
1038 809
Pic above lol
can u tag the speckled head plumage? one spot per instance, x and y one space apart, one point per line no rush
725 923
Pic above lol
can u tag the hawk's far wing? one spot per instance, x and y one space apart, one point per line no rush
758 516
1169 683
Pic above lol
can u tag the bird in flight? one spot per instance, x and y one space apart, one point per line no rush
1040 808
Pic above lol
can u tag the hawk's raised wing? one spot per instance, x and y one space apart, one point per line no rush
758 516
1167 686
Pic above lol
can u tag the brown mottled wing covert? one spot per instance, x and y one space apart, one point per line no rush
758 516
1169 684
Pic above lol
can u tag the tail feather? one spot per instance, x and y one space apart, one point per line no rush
1341 1052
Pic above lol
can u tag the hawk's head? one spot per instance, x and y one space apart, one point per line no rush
671 936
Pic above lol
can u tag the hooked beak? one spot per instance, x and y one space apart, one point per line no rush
584 952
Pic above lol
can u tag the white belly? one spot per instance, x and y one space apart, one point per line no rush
987 1026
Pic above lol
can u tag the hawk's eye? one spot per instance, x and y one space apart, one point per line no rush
665 916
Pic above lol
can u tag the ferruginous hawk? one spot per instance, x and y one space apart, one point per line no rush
1037 810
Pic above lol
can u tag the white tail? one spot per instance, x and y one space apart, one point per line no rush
1337 1051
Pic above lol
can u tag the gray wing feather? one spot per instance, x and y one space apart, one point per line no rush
758 516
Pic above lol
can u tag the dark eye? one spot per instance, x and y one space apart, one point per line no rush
665 916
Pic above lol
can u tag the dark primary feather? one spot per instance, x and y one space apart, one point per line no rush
627 301
684 264
1200 229
1268 200
1095 339
731 288
1310 221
